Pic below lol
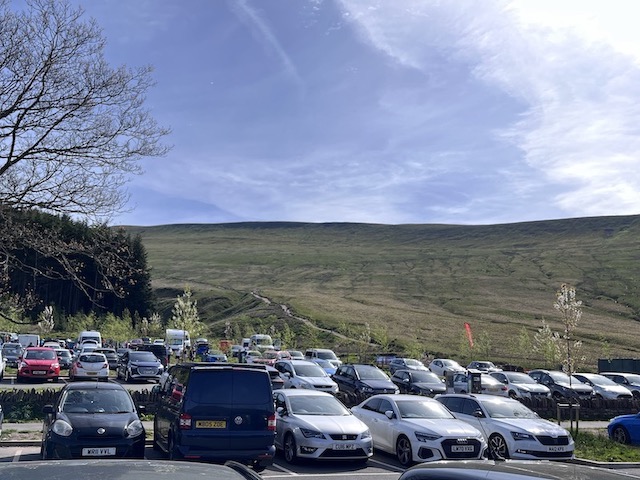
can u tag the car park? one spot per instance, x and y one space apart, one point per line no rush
38 363
521 385
324 353
92 420
89 366
139 365
418 382
418 429
625 429
215 356
604 387
11 353
401 363
561 385
511 429
111 356
296 355
160 351
358 381
216 412
317 426
305 374
444 366
483 366
64 357
627 380
488 384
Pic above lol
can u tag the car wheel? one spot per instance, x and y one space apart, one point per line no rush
257 467
498 447
620 435
290 449
403 451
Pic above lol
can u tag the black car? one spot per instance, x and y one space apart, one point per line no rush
11 352
160 351
111 354
418 382
134 365
357 382
561 385
92 420
64 357
216 411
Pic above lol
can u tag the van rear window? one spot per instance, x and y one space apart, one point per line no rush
229 387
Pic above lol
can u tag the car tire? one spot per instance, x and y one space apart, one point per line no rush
498 447
290 449
404 451
620 435
258 467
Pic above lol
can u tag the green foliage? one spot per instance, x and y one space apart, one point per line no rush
598 447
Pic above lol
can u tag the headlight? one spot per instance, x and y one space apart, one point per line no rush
62 428
367 389
522 436
311 433
427 437
23 365
135 428
366 434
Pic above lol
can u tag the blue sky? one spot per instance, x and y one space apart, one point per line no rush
390 111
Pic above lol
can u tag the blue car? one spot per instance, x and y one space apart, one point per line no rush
625 428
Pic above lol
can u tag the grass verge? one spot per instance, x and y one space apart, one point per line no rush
598 447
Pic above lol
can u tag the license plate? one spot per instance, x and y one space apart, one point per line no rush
92 373
39 372
344 446
98 452
556 449
211 424
462 448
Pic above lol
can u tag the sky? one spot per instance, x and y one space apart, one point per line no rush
390 111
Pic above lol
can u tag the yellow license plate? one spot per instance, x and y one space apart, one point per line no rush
211 424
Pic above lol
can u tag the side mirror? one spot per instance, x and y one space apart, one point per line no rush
281 411
478 414
47 409
389 414
141 408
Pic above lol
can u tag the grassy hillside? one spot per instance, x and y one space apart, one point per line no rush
413 285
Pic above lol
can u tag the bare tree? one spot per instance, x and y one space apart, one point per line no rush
72 132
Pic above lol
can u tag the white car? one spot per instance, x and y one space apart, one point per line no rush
89 365
418 429
305 374
316 425
604 387
488 384
511 429
521 385
442 366
483 366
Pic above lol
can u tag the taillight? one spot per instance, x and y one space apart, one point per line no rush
105 365
185 421
271 423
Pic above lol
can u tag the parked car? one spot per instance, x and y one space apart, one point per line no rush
418 429
11 352
316 425
216 412
521 385
251 356
401 363
276 380
625 429
89 365
488 384
92 420
359 381
323 353
442 366
139 365
215 356
511 429
562 386
305 374
38 363
268 357
418 382
296 355
160 351
604 387
326 365
64 357
628 380
483 366
111 355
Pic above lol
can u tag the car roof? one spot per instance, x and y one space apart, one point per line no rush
93 384
295 392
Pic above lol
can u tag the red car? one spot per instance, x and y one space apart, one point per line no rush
38 362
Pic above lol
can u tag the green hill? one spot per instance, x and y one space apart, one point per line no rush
411 286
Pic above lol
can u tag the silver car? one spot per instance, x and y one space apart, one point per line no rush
604 387
316 425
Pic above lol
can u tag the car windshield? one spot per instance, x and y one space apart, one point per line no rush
316 405
96 401
63 353
143 357
508 409
426 377
489 380
451 363
561 377
410 362
309 371
40 355
600 380
327 355
422 409
484 365
371 373
635 379
267 355
517 377
11 350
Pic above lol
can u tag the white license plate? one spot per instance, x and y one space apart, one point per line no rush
461 448
98 452
557 449
39 372
344 446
